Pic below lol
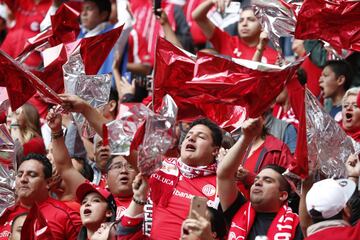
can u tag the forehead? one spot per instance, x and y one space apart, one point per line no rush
247 13
328 69
94 195
118 159
200 128
31 165
268 172
351 98
88 4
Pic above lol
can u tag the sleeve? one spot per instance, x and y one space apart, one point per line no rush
219 38
232 210
73 225
129 225
182 29
290 137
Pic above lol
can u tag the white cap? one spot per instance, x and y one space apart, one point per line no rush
329 196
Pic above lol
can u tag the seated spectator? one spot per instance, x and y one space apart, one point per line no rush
351 113
250 43
267 209
203 228
119 173
326 202
16 226
97 206
334 81
32 187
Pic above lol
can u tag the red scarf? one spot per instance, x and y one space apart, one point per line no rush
282 227
353 134
163 182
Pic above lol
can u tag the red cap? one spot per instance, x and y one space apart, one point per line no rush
88 187
358 99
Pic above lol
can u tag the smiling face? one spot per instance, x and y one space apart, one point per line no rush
198 148
120 177
31 185
94 210
351 114
249 27
265 193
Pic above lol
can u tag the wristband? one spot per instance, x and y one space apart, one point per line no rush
137 201
56 135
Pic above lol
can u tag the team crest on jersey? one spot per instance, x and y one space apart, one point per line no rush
208 190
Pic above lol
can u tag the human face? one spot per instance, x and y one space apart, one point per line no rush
94 210
198 148
328 82
249 27
102 155
16 227
91 16
265 194
120 177
351 114
31 185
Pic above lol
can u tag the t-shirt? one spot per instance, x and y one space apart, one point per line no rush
233 46
262 220
337 233
167 220
122 204
63 222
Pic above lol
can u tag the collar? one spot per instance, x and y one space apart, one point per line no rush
326 224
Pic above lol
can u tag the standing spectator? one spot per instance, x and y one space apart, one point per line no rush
250 44
351 113
334 81
267 211
32 187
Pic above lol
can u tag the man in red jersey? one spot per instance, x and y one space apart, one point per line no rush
250 43
32 187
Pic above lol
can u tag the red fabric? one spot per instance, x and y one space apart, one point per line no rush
297 100
282 227
132 222
313 74
41 106
289 116
167 219
336 22
122 203
335 233
74 205
353 134
63 222
197 35
2 117
250 162
28 16
34 145
236 48
138 52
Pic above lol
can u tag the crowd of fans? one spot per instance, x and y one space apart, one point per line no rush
71 186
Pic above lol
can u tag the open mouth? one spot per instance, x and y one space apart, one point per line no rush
348 116
87 212
124 180
190 147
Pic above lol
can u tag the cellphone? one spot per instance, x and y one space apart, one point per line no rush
198 204
157 5
234 7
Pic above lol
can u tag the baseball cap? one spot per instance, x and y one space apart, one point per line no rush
88 187
329 196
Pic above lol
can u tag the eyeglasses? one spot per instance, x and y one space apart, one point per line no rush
119 166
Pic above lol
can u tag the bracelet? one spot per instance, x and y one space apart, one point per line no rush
137 201
56 135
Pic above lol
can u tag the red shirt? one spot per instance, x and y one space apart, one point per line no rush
167 220
336 233
63 222
122 204
233 46
138 52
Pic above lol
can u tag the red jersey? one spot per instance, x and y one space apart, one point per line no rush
196 32
63 222
335 233
138 52
289 116
168 218
122 204
233 46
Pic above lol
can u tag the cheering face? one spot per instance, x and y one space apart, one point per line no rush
94 210
328 82
102 154
351 114
31 184
198 146
265 194
120 177
91 16
249 27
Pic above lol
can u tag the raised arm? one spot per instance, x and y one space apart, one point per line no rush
73 103
140 189
200 16
71 177
227 169
168 31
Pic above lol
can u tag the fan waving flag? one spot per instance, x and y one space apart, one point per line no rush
336 22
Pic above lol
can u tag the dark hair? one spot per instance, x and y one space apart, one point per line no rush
284 184
114 96
316 216
341 67
43 160
87 172
216 132
103 5
15 218
218 223
109 162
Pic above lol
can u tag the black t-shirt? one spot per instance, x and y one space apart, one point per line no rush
262 220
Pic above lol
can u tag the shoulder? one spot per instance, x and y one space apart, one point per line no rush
273 143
